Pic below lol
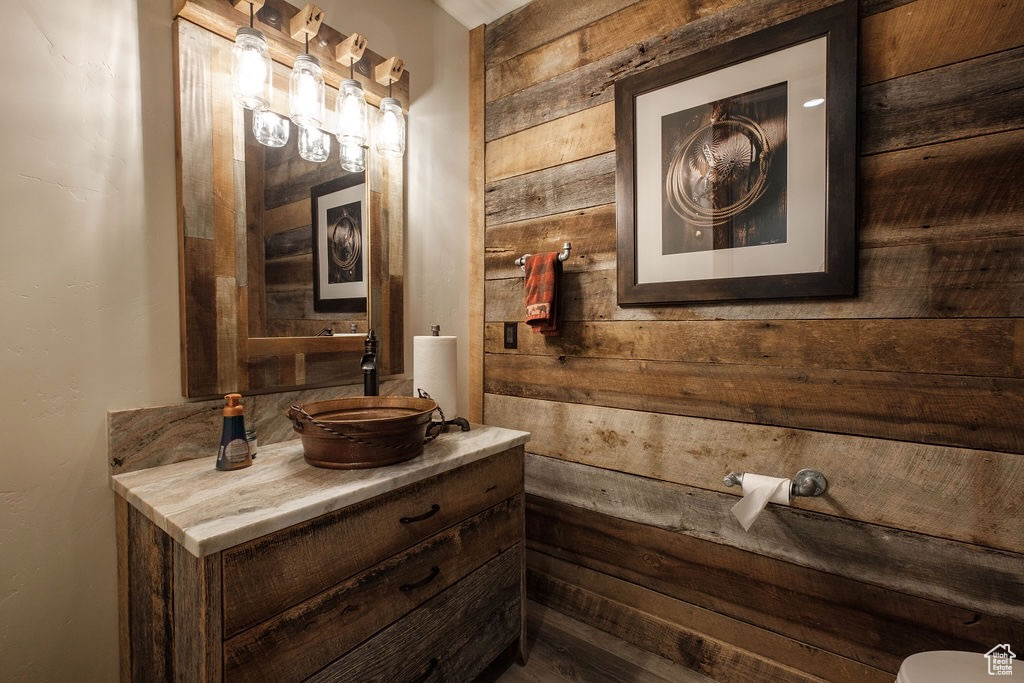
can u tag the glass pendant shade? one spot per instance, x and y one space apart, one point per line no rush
314 144
269 129
250 69
351 110
353 157
306 92
391 132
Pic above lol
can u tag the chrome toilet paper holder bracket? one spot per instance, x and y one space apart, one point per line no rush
806 483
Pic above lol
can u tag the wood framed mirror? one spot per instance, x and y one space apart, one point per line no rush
246 226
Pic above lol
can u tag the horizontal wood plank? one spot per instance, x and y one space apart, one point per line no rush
958 494
291 242
576 185
729 649
537 23
962 100
956 101
987 347
647 19
287 216
872 625
279 346
963 181
962 176
975 412
585 134
904 281
932 33
959 574
608 35
591 232
288 272
593 84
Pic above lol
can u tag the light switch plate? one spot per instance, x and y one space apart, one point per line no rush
511 335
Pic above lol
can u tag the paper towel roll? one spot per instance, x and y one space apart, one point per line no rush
435 371
758 491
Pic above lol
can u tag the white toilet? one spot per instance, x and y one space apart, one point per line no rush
945 666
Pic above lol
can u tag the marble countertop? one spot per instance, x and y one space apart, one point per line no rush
206 510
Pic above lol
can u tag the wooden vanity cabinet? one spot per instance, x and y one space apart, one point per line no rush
418 584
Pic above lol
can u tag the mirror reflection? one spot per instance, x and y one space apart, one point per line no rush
257 282
311 219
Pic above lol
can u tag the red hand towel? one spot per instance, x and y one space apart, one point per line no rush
541 284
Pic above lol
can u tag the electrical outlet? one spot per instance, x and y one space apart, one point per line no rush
511 335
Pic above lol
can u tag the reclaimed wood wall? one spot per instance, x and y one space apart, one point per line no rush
909 396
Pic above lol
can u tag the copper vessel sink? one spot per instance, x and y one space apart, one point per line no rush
362 431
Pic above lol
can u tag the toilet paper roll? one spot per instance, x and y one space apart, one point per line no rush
758 491
435 371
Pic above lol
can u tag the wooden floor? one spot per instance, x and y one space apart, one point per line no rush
562 649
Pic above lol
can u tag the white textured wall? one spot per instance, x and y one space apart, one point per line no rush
88 281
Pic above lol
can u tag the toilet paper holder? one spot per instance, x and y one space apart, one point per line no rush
806 482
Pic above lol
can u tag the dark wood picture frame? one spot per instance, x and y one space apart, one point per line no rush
838 26
323 201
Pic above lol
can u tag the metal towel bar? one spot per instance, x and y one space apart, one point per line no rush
566 248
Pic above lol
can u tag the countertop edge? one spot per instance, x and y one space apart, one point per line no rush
216 533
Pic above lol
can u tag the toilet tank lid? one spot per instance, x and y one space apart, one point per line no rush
940 666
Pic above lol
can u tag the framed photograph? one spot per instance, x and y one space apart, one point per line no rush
736 168
340 244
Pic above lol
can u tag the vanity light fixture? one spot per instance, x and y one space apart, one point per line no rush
250 62
391 132
270 129
306 84
353 157
351 107
252 87
314 144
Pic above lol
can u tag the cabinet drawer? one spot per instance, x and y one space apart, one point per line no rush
450 638
305 638
269 574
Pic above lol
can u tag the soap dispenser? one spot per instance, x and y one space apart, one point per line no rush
234 448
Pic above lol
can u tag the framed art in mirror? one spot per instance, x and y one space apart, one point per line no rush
341 243
736 168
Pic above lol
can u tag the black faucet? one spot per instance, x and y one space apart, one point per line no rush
369 366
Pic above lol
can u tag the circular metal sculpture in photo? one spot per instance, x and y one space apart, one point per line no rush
345 247
720 170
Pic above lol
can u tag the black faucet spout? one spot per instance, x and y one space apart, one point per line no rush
371 385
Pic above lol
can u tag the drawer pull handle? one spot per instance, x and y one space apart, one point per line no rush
406 587
434 509
430 669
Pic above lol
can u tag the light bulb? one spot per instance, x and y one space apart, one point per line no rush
353 157
270 129
306 92
351 109
391 132
314 144
250 69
